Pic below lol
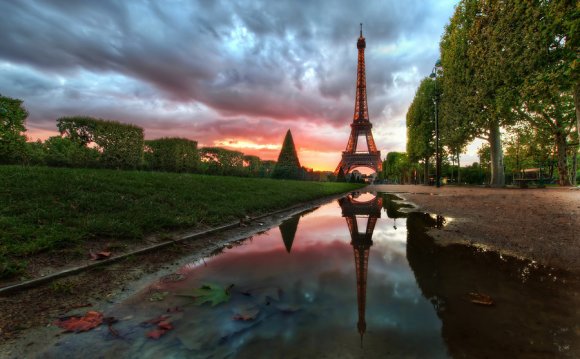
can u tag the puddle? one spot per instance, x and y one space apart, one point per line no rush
357 277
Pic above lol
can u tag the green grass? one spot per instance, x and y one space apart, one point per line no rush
44 209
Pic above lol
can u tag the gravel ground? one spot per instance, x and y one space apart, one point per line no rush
539 224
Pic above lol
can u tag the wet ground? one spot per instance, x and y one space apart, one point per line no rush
354 278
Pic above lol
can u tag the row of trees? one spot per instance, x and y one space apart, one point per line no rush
98 143
507 68
398 168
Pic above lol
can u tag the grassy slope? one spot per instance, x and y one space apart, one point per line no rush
44 208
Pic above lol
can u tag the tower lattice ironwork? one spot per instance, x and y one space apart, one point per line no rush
361 243
361 125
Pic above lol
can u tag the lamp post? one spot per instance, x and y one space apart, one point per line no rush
434 75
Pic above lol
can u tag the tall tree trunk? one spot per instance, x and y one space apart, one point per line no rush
560 139
576 91
497 173
426 171
574 167
458 169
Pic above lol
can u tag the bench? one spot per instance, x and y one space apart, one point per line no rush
531 175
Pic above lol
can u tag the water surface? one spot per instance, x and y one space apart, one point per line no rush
353 278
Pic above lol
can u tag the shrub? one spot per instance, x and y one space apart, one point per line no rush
120 145
64 152
172 155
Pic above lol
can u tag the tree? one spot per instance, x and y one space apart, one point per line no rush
288 165
398 167
12 138
421 125
476 78
542 49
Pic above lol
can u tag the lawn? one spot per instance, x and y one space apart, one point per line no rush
43 208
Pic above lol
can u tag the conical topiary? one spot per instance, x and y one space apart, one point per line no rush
288 165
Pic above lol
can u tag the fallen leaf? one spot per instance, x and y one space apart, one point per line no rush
156 320
99 255
90 320
210 293
165 325
158 296
246 314
481 299
156 333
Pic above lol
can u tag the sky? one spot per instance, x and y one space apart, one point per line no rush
235 74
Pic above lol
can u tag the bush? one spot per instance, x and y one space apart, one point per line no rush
64 152
34 153
219 161
120 145
172 155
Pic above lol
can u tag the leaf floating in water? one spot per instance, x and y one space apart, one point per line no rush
210 293
246 314
156 320
481 299
90 320
158 296
156 333
163 326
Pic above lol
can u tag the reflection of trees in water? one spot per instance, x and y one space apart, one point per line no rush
391 207
288 231
288 228
533 316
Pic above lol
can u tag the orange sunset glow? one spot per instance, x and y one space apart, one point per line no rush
223 76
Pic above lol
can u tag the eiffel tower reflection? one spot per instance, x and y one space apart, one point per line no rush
361 242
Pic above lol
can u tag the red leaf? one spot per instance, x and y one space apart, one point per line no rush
165 325
99 255
157 320
81 324
156 333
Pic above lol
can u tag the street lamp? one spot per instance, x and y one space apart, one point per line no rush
434 74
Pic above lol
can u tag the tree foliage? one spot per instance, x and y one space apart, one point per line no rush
12 138
120 144
398 168
64 152
288 165
221 161
171 155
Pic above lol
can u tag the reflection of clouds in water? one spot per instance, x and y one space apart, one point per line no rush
318 278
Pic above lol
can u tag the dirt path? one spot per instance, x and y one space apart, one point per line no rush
540 224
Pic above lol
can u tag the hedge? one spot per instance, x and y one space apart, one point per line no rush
171 155
120 145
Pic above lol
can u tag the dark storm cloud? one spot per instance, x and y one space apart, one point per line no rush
281 60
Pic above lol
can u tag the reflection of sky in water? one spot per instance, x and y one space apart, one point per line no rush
315 314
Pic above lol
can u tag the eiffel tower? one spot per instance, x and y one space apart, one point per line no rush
361 244
361 125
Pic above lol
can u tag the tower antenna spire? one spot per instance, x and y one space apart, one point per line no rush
361 29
